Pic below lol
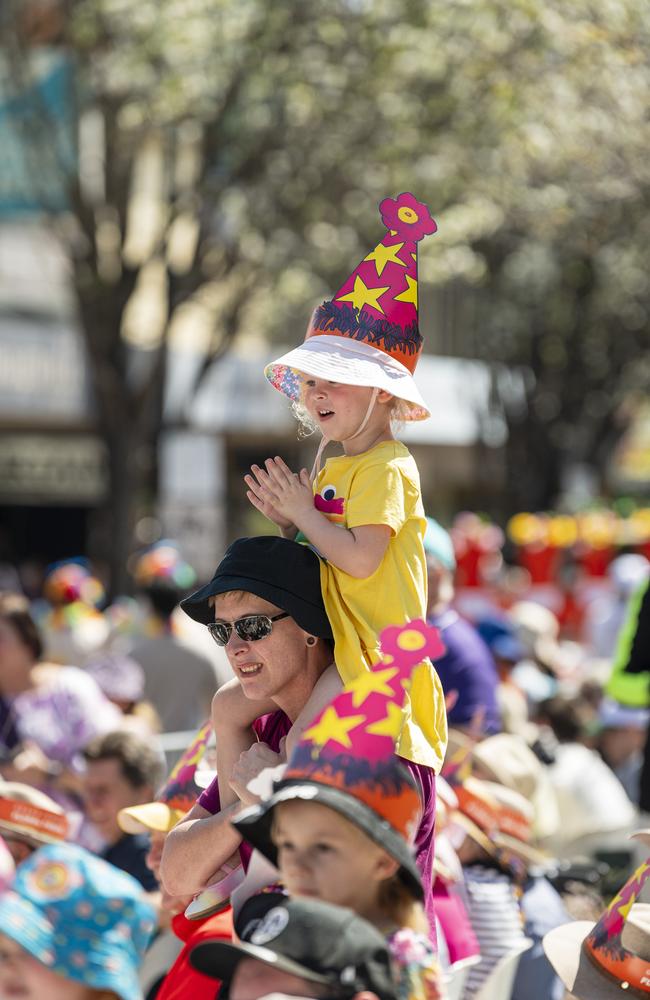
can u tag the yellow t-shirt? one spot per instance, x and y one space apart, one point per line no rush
382 486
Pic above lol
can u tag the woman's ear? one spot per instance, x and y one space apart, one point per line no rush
384 397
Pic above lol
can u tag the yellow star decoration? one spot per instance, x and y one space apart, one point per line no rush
333 727
390 725
362 295
410 293
383 255
370 681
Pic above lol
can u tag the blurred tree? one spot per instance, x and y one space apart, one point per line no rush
230 157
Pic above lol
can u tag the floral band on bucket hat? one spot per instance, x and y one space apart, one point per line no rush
368 334
81 917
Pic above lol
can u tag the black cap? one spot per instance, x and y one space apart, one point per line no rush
316 941
282 572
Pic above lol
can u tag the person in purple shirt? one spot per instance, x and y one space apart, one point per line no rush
467 670
279 642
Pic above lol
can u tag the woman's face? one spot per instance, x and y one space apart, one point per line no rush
23 977
266 667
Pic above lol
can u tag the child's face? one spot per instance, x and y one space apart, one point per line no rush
323 855
339 410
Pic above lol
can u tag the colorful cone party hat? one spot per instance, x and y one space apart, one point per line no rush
346 758
368 333
176 797
612 957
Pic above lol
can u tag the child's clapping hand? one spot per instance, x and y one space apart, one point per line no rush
285 497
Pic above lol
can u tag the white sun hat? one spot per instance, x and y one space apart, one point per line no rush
350 362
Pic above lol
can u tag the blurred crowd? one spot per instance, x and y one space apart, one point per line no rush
104 748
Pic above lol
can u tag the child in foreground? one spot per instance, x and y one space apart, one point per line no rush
363 513
339 824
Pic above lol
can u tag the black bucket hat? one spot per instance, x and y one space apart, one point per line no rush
280 571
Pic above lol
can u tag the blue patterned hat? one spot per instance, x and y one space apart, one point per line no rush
81 917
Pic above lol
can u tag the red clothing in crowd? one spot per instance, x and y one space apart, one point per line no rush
182 981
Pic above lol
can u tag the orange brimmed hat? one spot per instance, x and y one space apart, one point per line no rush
31 815
346 759
176 797
368 333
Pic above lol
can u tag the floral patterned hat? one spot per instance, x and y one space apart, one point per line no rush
346 759
368 333
81 917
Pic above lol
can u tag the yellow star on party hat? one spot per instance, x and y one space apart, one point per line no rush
346 758
368 333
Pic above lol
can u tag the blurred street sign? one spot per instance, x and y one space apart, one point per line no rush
46 469
42 371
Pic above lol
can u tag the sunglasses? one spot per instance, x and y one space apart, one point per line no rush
250 629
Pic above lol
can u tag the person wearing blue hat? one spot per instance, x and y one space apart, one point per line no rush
467 670
73 927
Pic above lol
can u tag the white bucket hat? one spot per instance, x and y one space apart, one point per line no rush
350 362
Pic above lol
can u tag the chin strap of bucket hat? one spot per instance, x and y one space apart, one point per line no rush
315 469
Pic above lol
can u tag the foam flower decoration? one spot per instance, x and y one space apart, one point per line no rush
409 218
412 643
70 581
161 564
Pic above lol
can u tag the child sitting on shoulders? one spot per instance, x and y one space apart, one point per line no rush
363 512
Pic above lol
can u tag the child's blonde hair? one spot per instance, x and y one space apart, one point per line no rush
397 903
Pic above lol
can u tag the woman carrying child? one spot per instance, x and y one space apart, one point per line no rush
362 513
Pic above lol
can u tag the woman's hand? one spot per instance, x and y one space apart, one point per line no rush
251 763
260 497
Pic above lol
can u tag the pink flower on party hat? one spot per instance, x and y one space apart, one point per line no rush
409 218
